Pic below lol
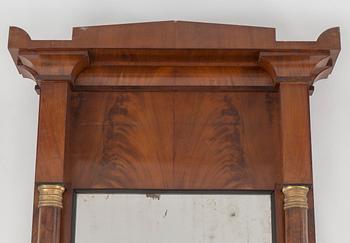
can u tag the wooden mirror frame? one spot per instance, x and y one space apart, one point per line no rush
174 106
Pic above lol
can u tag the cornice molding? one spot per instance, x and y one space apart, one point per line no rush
52 65
296 66
100 51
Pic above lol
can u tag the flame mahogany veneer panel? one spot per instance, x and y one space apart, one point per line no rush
175 140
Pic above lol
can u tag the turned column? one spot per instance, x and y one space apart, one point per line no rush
296 215
50 204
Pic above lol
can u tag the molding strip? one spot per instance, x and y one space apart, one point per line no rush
51 196
295 197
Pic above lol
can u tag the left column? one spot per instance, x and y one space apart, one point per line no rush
53 133
50 205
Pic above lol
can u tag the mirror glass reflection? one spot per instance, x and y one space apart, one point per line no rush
173 218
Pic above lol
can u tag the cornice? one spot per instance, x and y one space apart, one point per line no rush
177 45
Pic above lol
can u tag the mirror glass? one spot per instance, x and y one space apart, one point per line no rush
172 218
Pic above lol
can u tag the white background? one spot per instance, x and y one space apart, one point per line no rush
293 19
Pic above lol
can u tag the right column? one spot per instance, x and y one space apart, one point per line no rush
296 215
296 159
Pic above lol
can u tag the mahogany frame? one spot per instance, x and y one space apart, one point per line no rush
114 96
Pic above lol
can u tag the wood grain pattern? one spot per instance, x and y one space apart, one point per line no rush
175 140
311 217
96 50
169 76
52 132
49 225
296 155
296 225
174 35
66 215
174 105
296 138
279 229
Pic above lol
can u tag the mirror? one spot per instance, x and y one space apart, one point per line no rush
173 218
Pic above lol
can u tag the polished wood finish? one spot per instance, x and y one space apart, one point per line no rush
52 165
169 53
175 140
295 133
49 225
296 223
174 105
53 132
52 154
49 215
296 213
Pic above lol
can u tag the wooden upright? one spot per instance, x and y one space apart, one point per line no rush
174 105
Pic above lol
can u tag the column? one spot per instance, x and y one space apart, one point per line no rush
296 214
50 206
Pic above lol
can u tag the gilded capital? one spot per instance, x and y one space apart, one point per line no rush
295 197
50 196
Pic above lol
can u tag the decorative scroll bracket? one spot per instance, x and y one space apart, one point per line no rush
52 65
296 66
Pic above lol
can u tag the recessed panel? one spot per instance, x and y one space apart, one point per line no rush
173 218
175 140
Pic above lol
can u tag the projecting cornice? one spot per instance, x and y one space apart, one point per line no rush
169 53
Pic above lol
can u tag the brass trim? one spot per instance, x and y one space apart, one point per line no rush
50 196
295 197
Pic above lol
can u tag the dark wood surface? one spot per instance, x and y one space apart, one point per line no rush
295 133
174 105
53 132
103 54
49 225
175 140
175 35
296 225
